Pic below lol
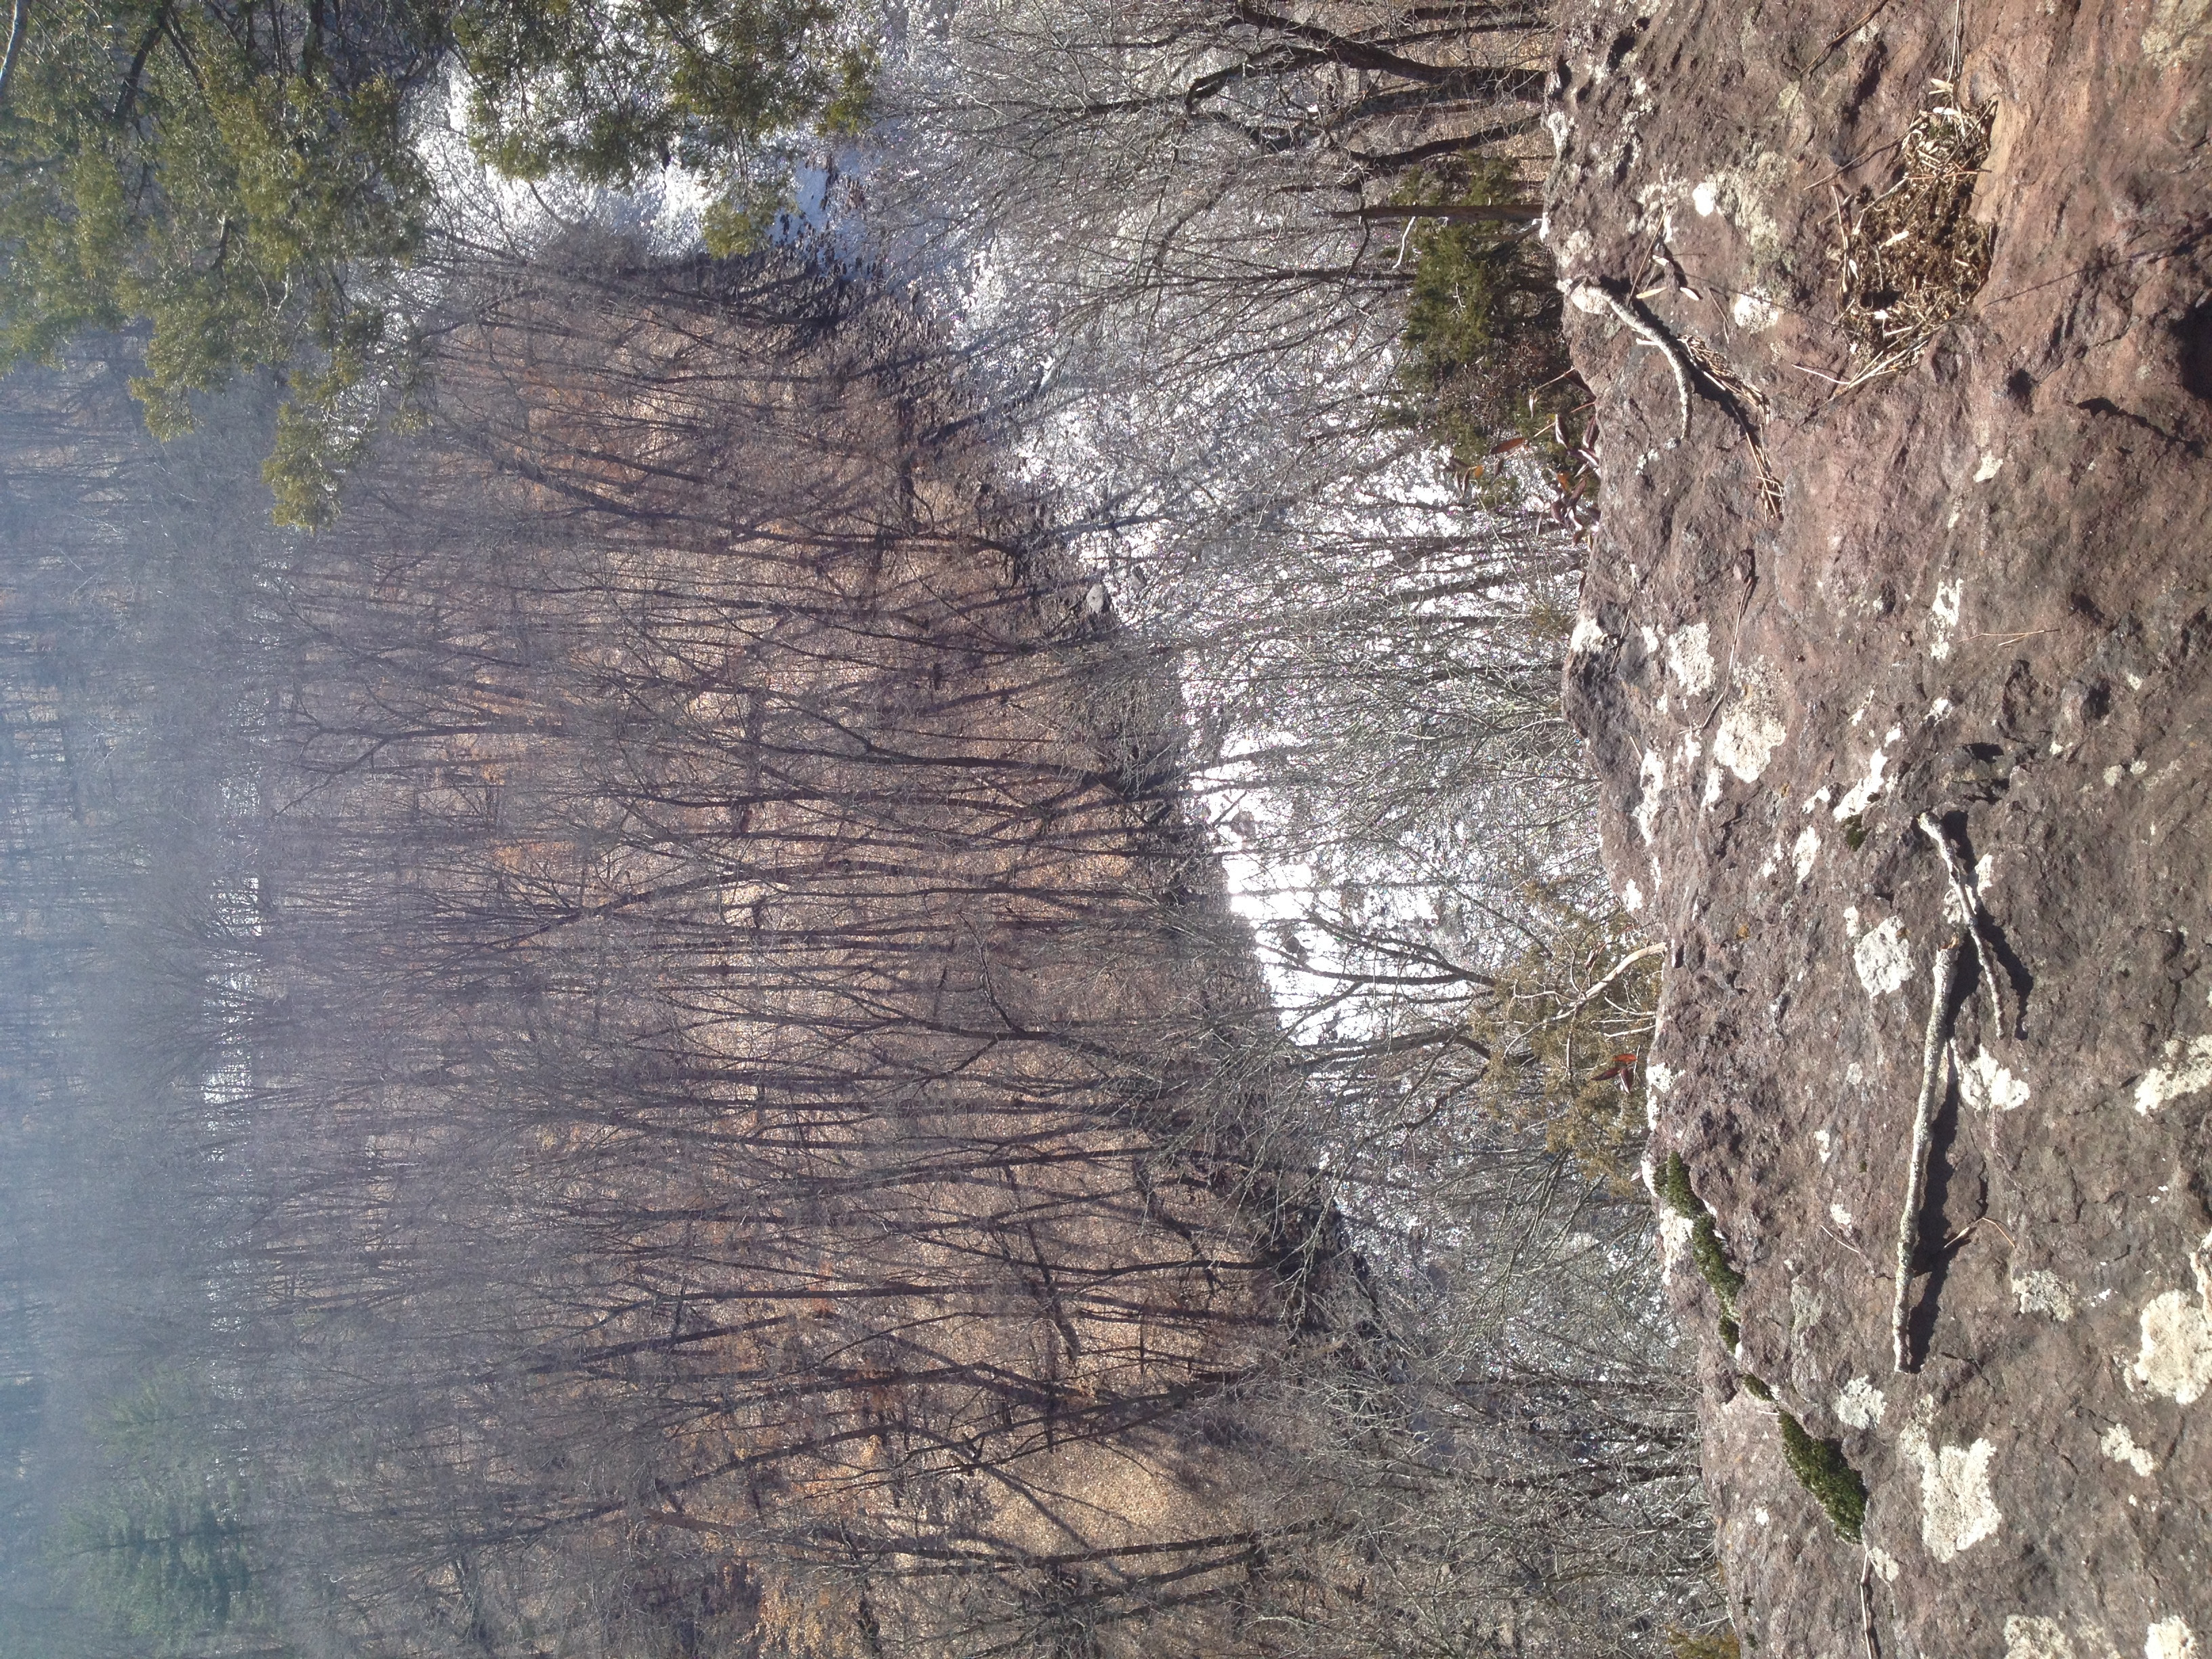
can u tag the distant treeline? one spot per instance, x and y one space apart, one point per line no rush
636 1050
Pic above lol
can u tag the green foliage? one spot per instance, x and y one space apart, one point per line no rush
608 92
234 190
1820 1468
1566 1024
241 181
1483 359
164 1550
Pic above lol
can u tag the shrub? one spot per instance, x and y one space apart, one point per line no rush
1566 1024
1483 359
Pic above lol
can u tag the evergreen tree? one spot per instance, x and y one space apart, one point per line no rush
164 1550
243 179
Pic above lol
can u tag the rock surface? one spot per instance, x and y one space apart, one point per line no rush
1982 595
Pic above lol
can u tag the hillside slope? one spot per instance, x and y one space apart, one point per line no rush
1822 604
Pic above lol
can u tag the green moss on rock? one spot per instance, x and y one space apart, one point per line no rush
1822 1469
1705 1247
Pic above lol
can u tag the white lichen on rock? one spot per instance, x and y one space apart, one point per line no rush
1805 852
2031 1637
1868 789
1674 1230
2170 1638
1944 615
2177 32
1650 778
1753 730
1958 1509
1882 959
1754 312
1985 1083
2039 1291
1860 1406
1806 1307
2120 1446
2187 1072
1690 658
2175 1359
1589 637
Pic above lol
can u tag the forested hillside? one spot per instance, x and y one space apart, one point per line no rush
641 1049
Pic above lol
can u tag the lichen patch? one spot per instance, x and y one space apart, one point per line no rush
1860 1406
2188 1071
2120 1446
2039 1291
2170 1638
1690 660
1650 778
2031 1637
1868 790
1751 730
1806 1308
1754 312
1989 1085
2177 31
1882 959
1943 617
2176 1356
1807 850
1675 1230
1958 1509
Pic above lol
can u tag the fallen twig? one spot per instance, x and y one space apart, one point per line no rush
1959 1236
1934 1079
1650 334
1848 1245
1968 893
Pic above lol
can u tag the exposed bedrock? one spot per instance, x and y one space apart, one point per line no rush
1975 589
